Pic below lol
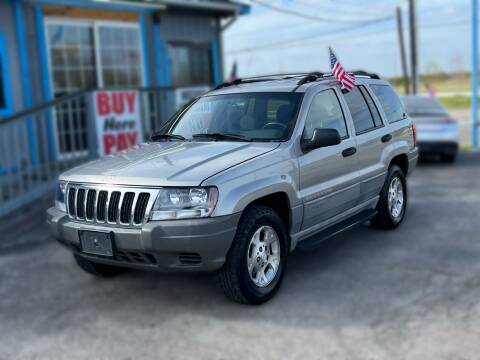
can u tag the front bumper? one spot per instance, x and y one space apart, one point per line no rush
178 245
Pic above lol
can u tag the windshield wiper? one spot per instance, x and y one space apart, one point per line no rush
222 136
159 136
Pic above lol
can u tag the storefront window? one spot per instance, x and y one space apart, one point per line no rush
190 64
88 55
120 56
72 58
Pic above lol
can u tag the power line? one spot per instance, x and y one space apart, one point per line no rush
311 37
350 10
309 16
318 36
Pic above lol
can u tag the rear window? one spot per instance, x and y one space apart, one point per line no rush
390 102
423 106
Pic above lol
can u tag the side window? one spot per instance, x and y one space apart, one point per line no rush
390 102
5 100
372 107
361 114
325 113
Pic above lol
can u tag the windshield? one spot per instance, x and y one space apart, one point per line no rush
423 106
255 116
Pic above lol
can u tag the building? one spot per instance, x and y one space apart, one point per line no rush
55 55
52 47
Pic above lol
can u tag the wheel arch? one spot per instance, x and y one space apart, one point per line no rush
401 160
280 203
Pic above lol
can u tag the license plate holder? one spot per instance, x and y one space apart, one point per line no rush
96 242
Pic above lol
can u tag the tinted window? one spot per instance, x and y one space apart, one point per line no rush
260 116
390 102
361 114
190 65
372 107
325 113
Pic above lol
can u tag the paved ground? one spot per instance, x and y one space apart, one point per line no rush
465 123
409 294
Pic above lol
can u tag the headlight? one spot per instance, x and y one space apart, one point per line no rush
184 203
60 196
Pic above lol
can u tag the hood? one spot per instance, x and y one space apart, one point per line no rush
167 163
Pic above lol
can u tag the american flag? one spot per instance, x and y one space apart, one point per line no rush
347 80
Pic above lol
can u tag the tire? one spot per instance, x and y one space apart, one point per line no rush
100 270
244 286
389 218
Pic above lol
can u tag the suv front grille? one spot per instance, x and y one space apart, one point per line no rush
109 205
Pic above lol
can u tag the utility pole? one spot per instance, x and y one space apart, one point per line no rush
401 43
413 46
475 75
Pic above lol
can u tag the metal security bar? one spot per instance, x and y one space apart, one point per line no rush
38 144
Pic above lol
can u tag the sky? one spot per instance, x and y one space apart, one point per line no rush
363 33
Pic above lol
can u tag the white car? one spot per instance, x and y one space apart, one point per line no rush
437 131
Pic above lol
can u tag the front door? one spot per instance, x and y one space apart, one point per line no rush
327 174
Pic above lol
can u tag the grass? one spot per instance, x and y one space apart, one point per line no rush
458 82
456 102
443 83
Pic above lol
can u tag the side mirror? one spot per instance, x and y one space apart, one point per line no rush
322 138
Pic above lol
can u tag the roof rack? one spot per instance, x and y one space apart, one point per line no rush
262 78
310 77
365 73
304 78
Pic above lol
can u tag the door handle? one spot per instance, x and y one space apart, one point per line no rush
386 138
349 152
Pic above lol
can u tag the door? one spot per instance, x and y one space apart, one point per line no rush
372 138
327 174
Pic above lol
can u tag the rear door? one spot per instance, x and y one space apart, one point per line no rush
372 136
326 173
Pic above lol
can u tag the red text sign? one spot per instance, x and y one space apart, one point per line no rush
117 115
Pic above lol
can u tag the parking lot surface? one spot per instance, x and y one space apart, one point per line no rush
413 293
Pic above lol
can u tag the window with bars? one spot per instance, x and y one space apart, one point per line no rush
190 64
87 55
120 56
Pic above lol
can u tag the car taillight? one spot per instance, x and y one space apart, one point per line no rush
414 133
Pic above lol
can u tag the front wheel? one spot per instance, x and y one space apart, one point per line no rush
392 204
257 258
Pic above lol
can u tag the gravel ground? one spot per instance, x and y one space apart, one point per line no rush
409 294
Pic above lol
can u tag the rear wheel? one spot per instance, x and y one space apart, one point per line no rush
256 262
392 204
100 270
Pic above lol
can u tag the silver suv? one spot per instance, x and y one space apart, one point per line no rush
239 178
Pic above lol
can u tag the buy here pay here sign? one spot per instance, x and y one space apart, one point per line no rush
117 117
